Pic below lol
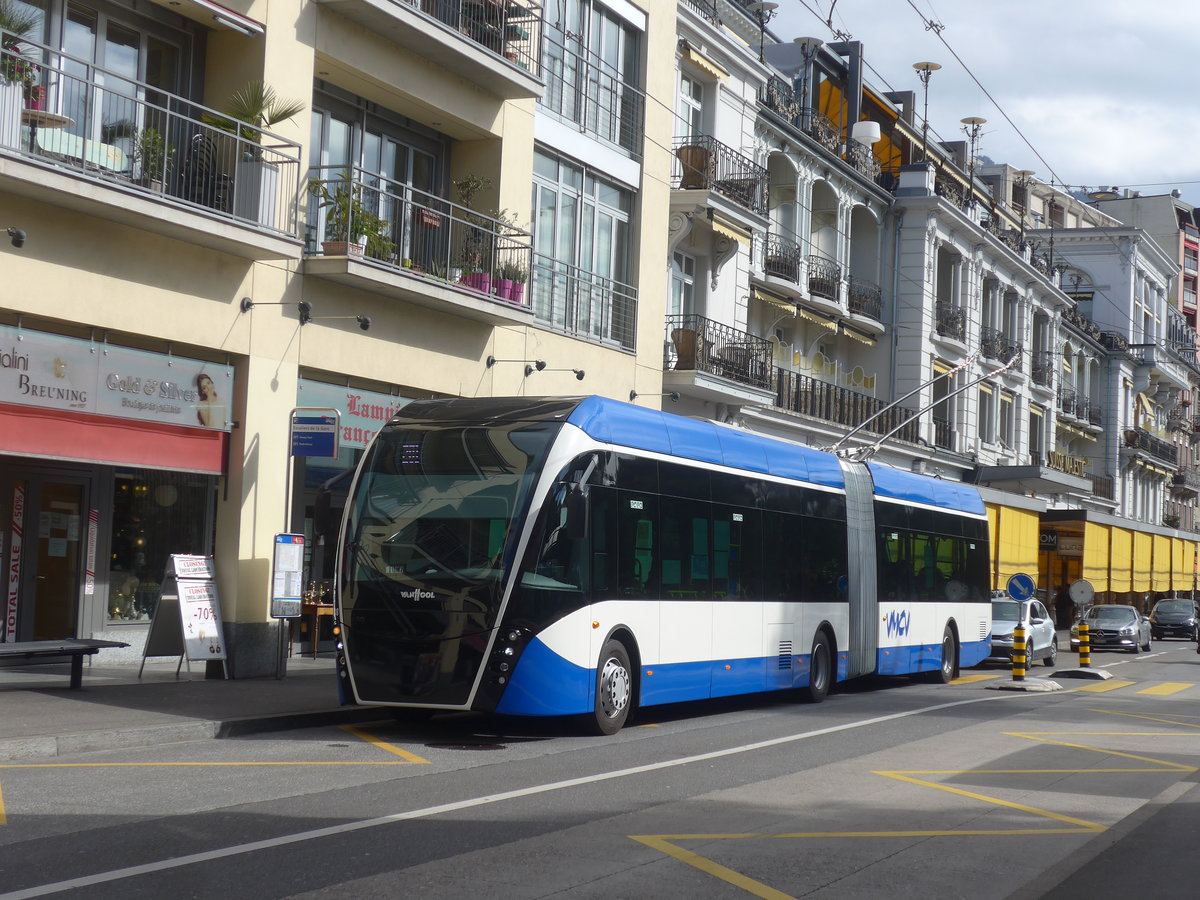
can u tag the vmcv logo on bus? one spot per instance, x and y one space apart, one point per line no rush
898 623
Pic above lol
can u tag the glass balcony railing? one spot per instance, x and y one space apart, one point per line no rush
75 116
356 213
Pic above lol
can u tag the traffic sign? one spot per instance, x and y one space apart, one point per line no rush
315 432
1021 586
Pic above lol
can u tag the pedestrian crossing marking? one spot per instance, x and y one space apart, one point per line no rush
1101 687
1167 688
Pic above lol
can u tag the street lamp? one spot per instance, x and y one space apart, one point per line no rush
924 71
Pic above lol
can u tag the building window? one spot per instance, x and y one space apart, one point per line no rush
1006 430
987 414
683 284
583 252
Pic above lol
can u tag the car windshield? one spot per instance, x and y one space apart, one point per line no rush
1111 614
1008 610
1174 606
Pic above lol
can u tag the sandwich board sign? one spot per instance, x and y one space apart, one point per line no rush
187 618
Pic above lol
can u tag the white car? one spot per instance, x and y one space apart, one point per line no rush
1040 637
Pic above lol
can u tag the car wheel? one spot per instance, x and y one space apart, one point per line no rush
614 689
1050 660
1147 647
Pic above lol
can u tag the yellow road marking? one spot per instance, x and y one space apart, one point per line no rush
971 679
662 843
1101 687
383 745
1167 687
3 819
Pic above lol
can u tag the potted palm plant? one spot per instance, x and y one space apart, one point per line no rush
153 158
255 180
351 227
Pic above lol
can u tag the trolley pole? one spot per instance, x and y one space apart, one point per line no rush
1020 655
1085 646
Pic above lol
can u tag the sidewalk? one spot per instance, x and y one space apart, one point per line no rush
41 716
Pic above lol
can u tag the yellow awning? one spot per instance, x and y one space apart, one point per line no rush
1016 536
1095 555
1160 568
1120 560
819 319
1177 566
704 64
1143 559
720 226
772 300
1146 403
858 336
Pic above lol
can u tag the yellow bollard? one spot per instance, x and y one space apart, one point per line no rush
1020 654
1085 647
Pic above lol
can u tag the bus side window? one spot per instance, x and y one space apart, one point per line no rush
636 548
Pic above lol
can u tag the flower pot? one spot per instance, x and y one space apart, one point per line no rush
256 189
479 281
341 248
518 292
504 288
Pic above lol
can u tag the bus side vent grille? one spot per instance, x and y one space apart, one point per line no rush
785 655
983 631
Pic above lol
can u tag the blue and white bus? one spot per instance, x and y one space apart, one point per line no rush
583 556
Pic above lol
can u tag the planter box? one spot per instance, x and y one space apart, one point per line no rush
12 101
256 192
342 248
479 281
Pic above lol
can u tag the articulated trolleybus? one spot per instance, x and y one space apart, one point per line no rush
583 556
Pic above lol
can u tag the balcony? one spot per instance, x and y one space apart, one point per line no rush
583 89
951 321
1042 366
994 344
585 305
384 236
824 132
705 164
1141 440
824 278
943 433
1187 481
779 97
451 33
704 346
841 406
1082 323
865 299
1180 419
148 159
862 159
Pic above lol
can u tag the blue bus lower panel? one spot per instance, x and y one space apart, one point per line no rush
926 657
545 684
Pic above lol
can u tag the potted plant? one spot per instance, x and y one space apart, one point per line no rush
153 158
256 181
351 228
510 281
18 74
477 244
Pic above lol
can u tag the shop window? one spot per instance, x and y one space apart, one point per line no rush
155 514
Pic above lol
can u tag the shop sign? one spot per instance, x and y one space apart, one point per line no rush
1049 540
1070 545
363 413
62 373
16 528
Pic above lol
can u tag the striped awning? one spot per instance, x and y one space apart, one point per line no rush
703 63
823 321
778 302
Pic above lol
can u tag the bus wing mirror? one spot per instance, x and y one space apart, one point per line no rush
577 514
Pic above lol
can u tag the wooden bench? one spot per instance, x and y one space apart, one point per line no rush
74 648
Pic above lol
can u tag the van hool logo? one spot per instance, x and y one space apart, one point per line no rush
416 594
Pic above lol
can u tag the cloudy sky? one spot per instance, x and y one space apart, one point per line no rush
1099 92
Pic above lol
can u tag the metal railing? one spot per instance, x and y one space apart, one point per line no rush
951 320
76 116
779 96
841 405
704 163
943 433
781 258
582 88
353 212
512 28
1041 369
866 299
863 160
705 9
584 304
703 345
824 277
1188 479
823 131
1143 440
1104 486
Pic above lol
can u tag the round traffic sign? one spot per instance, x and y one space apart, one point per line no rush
1081 592
1021 586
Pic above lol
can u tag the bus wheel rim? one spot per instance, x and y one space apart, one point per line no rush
614 688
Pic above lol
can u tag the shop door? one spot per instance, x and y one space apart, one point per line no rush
43 524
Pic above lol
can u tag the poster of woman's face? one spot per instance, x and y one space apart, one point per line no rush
210 410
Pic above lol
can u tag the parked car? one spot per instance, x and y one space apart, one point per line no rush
1114 626
1172 617
1041 640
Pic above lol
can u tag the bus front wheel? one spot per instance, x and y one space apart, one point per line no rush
948 667
614 689
820 670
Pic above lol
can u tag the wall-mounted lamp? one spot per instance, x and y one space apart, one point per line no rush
306 316
579 373
531 365
674 395
17 235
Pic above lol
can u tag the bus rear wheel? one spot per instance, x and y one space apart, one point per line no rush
820 670
949 665
614 689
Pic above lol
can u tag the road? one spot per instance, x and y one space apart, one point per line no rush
890 788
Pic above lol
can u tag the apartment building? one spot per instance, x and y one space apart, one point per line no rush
229 213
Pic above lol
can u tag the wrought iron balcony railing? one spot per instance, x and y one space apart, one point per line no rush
355 213
508 28
824 277
582 88
866 299
134 136
703 345
781 258
863 159
583 304
1042 367
951 320
1140 439
704 163
841 406
824 132
1104 486
1179 418
706 9
779 97
1188 479
943 433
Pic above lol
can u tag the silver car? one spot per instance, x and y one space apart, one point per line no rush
1114 626
1040 637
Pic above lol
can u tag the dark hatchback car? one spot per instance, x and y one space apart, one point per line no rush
1174 618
